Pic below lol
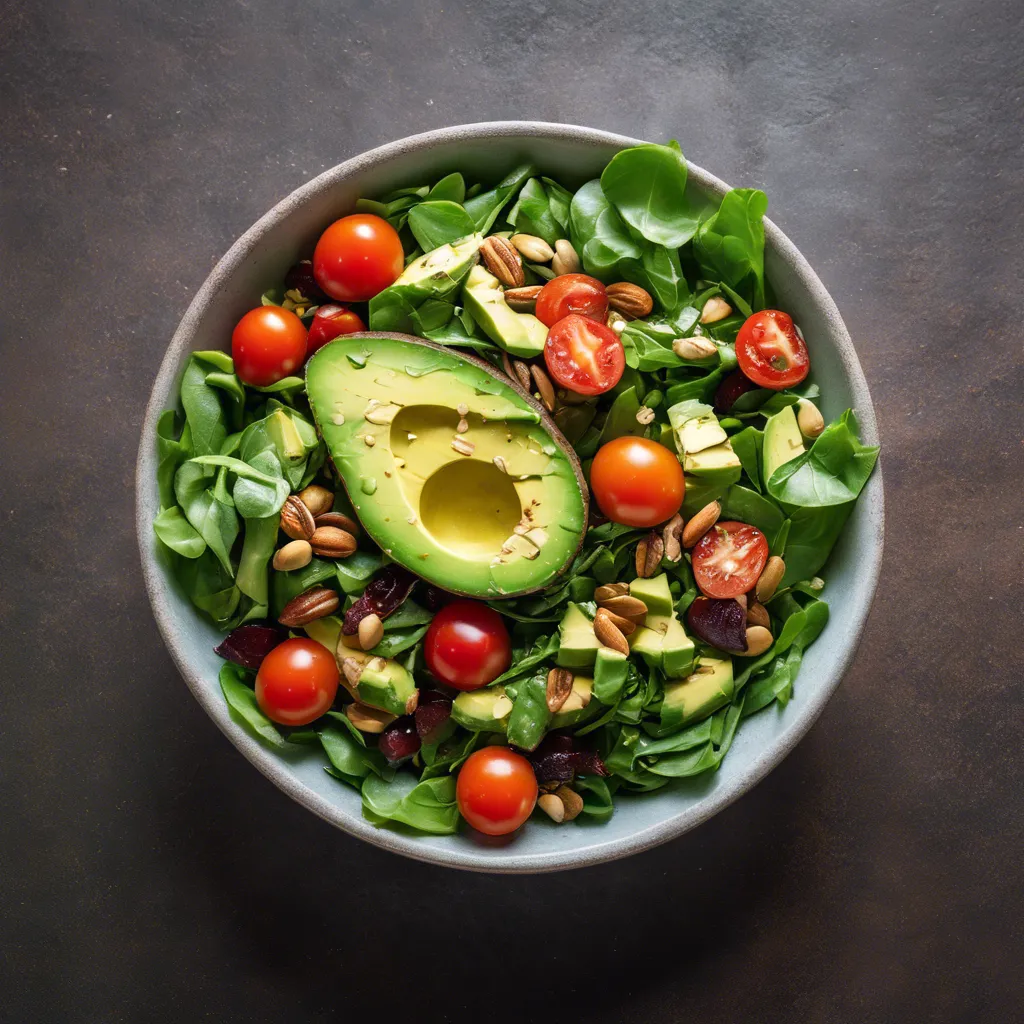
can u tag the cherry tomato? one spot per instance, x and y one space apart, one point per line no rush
496 790
636 481
572 293
467 645
267 344
770 352
729 558
357 257
583 355
297 682
330 322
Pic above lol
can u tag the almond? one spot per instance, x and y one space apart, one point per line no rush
332 542
296 519
571 801
694 348
701 523
317 499
608 633
545 388
627 606
523 300
338 519
809 418
559 687
371 631
312 604
630 300
535 249
367 719
502 259
649 550
552 806
758 641
757 615
566 259
672 535
627 626
296 554
715 309
771 577
609 590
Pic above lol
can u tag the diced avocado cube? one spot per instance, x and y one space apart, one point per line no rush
484 710
696 426
387 685
578 706
326 631
782 441
611 669
663 642
677 650
688 700
578 646
521 334
654 593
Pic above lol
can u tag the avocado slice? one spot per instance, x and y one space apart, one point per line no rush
782 441
579 705
578 645
520 334
484 710
452 471
688 700
695 425
384 683
611 669
663 644
710 466
654 593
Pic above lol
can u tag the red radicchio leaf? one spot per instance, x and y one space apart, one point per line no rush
383 595
248 645
400 740
555 760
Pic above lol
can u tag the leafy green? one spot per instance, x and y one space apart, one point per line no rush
178 533
428 805
542 209
242 702
439 222
729 245
529 717
485 207
599 234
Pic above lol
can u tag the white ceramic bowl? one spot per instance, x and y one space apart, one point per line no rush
573 155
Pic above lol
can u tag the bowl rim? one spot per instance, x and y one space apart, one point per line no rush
277 770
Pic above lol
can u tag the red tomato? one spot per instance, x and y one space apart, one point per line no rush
330 322
467 645
636 481
297 682
496 790
572 293
267 344
729 558
583 355
357 257
770 352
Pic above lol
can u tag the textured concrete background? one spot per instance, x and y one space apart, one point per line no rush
147 873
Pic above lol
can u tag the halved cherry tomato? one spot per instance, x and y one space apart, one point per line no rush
267 344
729 558
496 790
770 352
636 481
583 355
357 257
330 322
467 645
572 293
297 682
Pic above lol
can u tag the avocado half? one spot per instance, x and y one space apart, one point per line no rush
454 470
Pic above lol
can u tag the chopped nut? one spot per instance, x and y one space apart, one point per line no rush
771 577
609 590
552 806
296 554
462 426
535 249
462 446
715 309
671 534
630 300
367 719
809 418
649 551
559 686
566 260
701 523
644 415
758 641
571 801
317 499
757 615
694 348
500 463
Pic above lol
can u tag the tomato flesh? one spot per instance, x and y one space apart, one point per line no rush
297 682
636 481
496 790
584 356
357 257
770 352
729 558
330 322
572 293
267 344
467 645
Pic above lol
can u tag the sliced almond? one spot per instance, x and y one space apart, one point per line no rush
608 633
701 523
462 446
771 577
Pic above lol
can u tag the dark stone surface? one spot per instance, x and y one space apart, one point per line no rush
149 873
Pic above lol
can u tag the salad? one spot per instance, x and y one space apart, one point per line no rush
512 498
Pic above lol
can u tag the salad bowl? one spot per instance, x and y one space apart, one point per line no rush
486 151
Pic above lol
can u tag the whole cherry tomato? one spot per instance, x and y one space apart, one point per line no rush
637 482
467 645
770 352
357 257
572 293
267 344
583 355
297 682
330 322
496 790
729 559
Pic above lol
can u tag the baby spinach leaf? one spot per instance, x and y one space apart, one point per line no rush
178 533
597 798
832 472
265 493
451 187
210 587
202 404
647 348
439 222
747 445
693 762
485 207
660 273
598 233
730 244
544 648
242 702
428 805
536 214
349 755
646 185
748 506
254 562
529 717
173 448
214 520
